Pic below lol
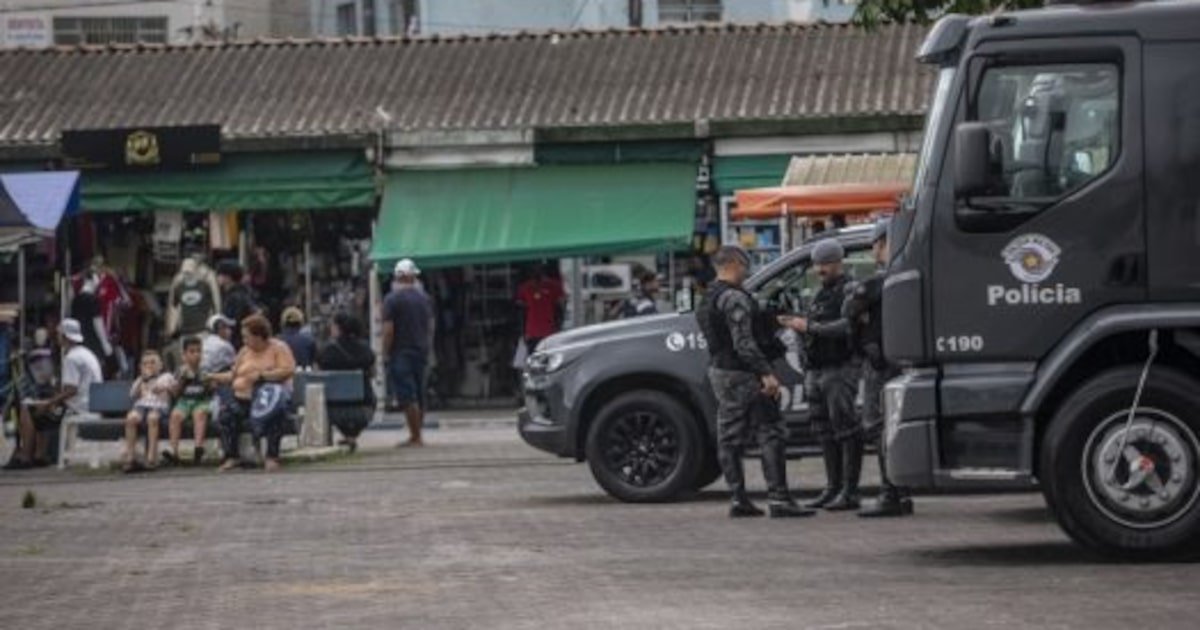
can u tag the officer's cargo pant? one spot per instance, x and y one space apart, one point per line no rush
830 392
742 410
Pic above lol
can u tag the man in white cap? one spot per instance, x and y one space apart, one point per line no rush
408 327
216 348
80 369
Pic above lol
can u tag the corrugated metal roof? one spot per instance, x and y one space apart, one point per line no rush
819 170
317 88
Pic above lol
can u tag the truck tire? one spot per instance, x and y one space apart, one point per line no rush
1136 494
644 447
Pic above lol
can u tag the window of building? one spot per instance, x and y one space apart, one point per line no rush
405 17
689 11
368 11
347 19
72 31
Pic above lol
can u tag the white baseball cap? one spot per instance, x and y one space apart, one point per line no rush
406 267
71 329
216 321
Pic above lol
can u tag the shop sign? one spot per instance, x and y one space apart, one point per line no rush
139 148
26 30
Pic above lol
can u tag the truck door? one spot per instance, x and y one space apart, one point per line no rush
1173 169
1058 230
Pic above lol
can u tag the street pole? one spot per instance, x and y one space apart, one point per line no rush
307 280
21 314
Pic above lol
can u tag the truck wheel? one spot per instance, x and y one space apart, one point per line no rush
644 447
1127 493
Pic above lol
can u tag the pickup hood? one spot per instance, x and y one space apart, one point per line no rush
653 325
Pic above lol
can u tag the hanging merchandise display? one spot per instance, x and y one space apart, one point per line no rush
168 234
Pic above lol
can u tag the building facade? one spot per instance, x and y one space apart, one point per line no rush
44 23
334 18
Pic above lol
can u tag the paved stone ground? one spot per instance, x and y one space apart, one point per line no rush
479 531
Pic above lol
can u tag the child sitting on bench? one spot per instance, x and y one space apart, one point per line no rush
193 391
151 393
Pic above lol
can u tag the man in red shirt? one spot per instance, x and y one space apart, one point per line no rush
540 297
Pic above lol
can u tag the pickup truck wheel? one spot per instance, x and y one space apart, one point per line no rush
1130 490
644 447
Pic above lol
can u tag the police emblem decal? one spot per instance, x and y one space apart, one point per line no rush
1031 257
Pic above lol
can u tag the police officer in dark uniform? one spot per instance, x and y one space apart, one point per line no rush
864 309
831 380
740 342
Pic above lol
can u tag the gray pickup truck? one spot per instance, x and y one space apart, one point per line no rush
632 398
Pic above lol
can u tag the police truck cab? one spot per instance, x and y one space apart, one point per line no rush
1044 290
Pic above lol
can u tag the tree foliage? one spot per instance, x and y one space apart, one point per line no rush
873 12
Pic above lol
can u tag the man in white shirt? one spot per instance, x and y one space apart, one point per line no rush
80 370
216 351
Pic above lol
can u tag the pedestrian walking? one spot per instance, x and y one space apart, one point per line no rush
408 329
745 386
864 309
541 299
831 380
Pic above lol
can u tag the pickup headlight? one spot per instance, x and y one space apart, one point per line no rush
542 362
547 361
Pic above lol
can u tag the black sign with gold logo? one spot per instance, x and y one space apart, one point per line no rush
141 148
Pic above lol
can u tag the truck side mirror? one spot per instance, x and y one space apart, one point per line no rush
972 159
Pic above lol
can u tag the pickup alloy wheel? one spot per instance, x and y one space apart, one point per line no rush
644 447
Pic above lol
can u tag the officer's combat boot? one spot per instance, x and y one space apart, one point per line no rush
742 507
832 452
891 501
780 501
848 499
731 465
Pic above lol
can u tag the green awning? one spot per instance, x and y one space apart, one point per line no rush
483 216
736 172
250 181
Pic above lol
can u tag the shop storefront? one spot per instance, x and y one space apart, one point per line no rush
478 231
299 224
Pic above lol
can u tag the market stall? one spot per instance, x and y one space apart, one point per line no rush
31 207
816 193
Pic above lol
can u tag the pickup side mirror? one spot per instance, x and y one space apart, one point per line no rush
972 160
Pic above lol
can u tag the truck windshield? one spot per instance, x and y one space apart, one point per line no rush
937 110
933 122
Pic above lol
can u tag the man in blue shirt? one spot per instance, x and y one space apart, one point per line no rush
408 328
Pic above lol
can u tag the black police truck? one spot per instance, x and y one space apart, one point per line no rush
1044 293
632 397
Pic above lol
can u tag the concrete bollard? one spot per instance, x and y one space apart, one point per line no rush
314 432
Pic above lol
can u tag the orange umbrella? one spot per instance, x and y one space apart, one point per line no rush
822 200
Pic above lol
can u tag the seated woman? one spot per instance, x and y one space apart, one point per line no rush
348 351
261 360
